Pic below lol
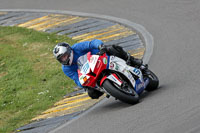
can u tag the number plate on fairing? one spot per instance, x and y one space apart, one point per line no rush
85 68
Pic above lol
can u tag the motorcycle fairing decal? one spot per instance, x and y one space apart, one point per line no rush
105 61
107 67
120 65
85 68
146 82
113 63
93 62
139 83
139 86
136 71
115 79
83 79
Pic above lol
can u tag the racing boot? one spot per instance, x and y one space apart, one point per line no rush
119 52
94 94
133 61
144 69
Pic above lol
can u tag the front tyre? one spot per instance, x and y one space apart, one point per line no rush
153 81
117 93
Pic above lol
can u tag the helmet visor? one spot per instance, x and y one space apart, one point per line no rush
64 59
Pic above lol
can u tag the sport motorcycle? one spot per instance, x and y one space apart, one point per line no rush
113 76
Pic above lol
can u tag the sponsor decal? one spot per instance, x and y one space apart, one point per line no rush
112 57
81 77
98 63
139 86
129 76
85 79
85 67
111 65
125 70
104 60
136 71
114 78
91 59
116 67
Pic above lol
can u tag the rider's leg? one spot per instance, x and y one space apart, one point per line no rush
119 52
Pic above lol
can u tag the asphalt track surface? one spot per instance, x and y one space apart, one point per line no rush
175 26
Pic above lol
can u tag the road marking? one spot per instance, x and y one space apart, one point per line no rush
65 22
54 111
107 34
93 36
59 22
55 22
97 32
116 36
53 18
61 109
50 21
137 53
66 105
71 98
3 13
31 22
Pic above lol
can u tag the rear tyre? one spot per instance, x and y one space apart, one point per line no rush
153 81
118 94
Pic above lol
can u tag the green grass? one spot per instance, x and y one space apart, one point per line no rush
31 80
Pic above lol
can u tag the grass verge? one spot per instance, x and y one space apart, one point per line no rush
31 80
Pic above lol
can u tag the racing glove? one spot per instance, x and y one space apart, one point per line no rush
102 49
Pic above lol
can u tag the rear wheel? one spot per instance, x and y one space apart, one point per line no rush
127 95
153 81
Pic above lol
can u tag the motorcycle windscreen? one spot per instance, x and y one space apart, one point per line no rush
81 61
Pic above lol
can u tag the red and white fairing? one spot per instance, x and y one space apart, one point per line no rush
93 66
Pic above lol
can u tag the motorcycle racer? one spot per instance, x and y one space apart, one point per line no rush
67 55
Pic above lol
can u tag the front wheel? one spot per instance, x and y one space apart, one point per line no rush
119 94
153 81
